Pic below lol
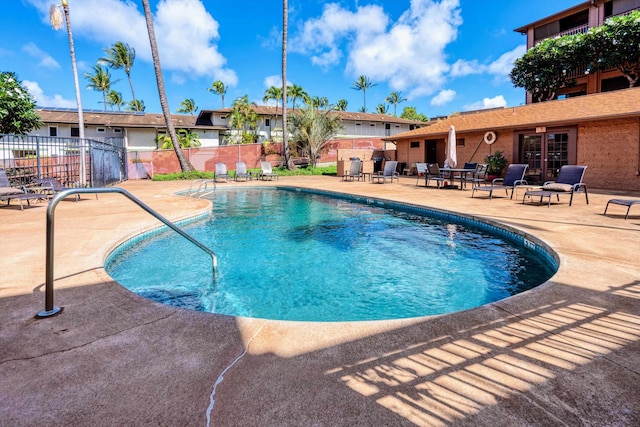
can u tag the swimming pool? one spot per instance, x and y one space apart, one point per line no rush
300 255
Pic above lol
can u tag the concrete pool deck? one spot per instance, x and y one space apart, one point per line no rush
565 353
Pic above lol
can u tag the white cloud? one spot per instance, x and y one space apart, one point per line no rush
464 68
274 80
500 67
504 64
186 33
43 100
444 97
495 102
408 53
44 59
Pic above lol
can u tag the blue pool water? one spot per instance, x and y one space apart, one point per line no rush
298 256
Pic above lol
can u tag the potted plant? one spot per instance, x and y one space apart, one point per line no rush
496 163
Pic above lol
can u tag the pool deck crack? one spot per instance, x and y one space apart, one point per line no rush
89 342
220 378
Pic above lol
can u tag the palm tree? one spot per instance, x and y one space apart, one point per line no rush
115 98
188 106
100 81
274 93
244 118
56 22
296 92
218 88
341 105
363 83
319 102
187 139
137 105
395 98
121 56
184 164
285 132
312 129
382 108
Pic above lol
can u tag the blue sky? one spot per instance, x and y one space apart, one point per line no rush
444 56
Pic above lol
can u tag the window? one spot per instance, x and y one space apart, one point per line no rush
75 132
101 130
267 123
460 142
415 144
117 130
53 131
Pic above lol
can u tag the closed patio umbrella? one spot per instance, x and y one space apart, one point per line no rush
452 158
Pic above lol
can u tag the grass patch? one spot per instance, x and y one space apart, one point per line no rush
281 171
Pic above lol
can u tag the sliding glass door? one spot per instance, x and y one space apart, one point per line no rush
546 153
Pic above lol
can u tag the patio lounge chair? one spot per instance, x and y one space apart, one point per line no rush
513 177
421 171
434 174
355 171
266 172
241 172
52 186
622 202
221 172
479 177
389 173
569 181
8 193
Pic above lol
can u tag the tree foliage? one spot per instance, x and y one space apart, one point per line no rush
121 56
114 98
137 105
188 106
186 138
394 99
219 88
616 45
244 120
410 113
296 92
550 65
363 83
311 129
341 105
382 108
18 113
100 81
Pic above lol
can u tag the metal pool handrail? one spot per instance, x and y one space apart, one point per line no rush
50 309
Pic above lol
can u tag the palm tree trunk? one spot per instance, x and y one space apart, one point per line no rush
285 133
184 164
133 94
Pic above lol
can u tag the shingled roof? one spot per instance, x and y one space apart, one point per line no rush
123 119
616 104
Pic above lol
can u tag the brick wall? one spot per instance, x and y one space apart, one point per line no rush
611 150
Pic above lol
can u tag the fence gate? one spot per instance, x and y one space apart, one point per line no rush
108 162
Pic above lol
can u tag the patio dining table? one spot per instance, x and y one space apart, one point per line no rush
462 172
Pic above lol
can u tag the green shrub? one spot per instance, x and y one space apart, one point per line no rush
183 175
323 170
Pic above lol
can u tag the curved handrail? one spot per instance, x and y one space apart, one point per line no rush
50 309
200 191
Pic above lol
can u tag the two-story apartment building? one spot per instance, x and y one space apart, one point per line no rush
138 130
354 125
579 19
